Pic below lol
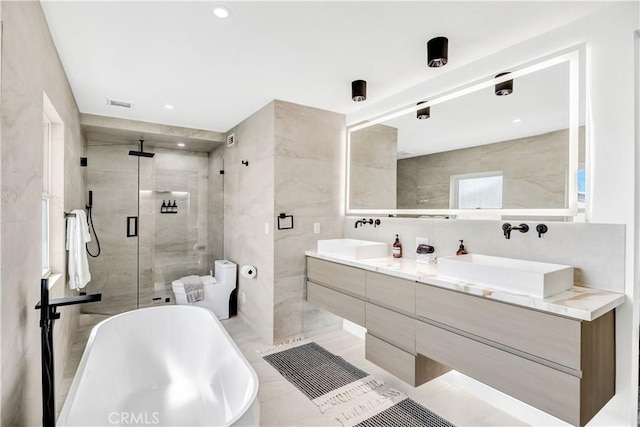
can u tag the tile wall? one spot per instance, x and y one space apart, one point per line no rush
30 66
595 250
295 156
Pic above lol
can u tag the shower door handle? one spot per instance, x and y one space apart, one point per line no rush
132 226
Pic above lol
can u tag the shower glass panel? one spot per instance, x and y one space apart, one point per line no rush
173 240
112 175
136 272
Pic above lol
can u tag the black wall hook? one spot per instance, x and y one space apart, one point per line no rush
245 162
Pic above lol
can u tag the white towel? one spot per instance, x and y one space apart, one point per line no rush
77 237
193 288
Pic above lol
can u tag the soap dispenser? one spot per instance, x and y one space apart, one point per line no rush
396 250
461 249
163 208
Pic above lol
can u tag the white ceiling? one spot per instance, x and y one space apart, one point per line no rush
218 72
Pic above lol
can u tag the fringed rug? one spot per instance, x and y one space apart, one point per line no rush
326 379
406 413
331 382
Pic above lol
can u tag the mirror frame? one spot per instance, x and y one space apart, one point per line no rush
573 58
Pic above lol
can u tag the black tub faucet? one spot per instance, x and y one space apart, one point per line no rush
508 228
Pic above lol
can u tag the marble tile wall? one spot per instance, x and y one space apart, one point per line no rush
296 158
249 216
595 250
169 246
30 66
533 168
309 159
373 176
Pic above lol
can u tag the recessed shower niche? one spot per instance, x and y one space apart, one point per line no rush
144 250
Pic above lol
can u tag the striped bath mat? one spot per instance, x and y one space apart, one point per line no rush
349 394
326 379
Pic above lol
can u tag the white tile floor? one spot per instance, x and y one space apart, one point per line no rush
281 404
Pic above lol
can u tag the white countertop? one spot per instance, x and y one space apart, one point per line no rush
578 302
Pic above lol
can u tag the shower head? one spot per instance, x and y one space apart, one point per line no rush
141 153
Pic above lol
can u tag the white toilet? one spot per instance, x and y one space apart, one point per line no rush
219 291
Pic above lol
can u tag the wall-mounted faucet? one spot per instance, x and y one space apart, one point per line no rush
364 221
508 228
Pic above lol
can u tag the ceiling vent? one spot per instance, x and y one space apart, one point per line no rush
231 139
116 103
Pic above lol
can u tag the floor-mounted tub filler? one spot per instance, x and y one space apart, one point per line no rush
163 366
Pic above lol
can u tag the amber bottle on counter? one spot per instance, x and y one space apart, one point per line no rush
396 250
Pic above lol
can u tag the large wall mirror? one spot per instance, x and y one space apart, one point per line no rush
471 152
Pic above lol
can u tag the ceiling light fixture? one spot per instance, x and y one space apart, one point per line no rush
504 88
516 120
168 107
423 113
221 11
180 144
437 52
358 90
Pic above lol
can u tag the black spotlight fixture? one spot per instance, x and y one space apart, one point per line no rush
423 113
504 88
437 52
358 90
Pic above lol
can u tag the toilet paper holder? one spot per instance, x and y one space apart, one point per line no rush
248 271
285 222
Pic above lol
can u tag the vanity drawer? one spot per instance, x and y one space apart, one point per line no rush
545 388
395 328
412 369
345 306
340 277
543 335
391 359
391 292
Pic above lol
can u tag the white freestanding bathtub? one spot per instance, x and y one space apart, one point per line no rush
163 366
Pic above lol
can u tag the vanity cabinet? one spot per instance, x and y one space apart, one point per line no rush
416 331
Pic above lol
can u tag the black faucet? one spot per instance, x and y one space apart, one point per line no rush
363 222
508 228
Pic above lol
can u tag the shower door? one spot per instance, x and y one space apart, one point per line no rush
112 175
145 246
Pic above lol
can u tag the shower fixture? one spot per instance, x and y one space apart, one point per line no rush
141 153
89 208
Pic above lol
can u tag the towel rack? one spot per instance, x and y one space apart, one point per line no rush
68 214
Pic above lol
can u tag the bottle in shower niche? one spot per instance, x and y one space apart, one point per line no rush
163 208
396 249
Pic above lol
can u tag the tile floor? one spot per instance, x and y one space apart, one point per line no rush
281 404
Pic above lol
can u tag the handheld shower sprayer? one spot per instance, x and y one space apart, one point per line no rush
89 207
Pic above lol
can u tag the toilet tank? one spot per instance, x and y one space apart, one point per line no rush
226 272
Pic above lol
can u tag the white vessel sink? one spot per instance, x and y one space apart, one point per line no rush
352 248
536 279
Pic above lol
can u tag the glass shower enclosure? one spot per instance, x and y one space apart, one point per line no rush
151 216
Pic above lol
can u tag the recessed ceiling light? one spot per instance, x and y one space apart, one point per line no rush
221 11
168 107
516 120
180 144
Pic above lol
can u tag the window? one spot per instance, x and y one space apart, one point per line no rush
481 190
46 194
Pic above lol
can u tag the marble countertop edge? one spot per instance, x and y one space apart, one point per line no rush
579 302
